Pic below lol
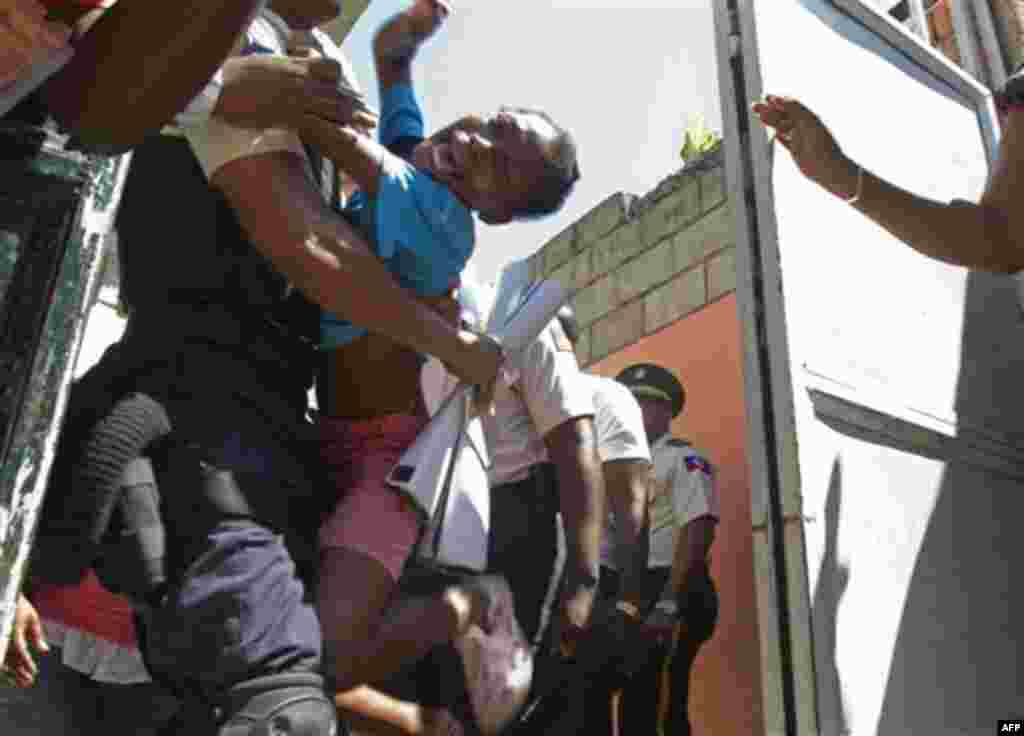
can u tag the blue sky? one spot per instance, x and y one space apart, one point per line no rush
624 77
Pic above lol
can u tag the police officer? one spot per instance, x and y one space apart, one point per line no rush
683 514
616 636
223 345
544 464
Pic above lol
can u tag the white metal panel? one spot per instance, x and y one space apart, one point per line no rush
891 382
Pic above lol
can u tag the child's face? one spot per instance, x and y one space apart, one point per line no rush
491 163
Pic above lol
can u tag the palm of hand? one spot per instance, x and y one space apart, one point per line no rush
812 146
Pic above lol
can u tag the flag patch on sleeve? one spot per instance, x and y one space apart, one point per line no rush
694 463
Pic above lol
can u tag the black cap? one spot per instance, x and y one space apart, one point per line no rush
647 380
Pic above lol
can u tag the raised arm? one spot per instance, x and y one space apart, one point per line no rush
395 45
399 38
285 218
985 235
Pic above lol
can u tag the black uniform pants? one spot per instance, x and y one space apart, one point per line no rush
652 677
523 547
658 694
236 635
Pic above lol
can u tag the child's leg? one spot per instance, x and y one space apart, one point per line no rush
364 545
368 641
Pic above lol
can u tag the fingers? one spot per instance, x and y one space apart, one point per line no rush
20 662
26 37
35 636
322 69
428 15
364 122
32 28
442 8
334 107
304 52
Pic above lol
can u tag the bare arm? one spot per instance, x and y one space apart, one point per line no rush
400 37
572 449
353 152
326 259
395 45
371 711
625 483
692 547
982 235
140 64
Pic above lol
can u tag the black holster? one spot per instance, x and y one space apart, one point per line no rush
289 704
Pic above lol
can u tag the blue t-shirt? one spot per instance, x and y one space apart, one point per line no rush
417 226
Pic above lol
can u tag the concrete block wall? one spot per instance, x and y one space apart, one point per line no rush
637 264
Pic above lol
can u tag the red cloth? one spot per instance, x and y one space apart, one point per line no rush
88 607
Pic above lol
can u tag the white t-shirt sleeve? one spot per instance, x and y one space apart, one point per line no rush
620 423
216 143
550 382
693 489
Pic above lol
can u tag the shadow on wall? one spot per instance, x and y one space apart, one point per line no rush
833 579
957 665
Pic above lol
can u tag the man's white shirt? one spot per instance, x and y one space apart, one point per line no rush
620 435
618 421
545 389
215 142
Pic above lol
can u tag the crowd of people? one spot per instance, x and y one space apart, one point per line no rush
253 571
248 567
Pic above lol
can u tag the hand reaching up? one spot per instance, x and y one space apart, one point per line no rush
812 146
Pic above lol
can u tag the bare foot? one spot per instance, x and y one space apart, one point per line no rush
499 672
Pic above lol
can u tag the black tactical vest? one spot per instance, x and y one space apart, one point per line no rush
189 275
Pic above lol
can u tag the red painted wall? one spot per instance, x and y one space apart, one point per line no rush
704 351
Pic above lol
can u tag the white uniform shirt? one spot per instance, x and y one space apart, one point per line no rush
618 421
544 389
619 430
216 143
682 489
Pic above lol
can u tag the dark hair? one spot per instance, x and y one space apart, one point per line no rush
569 324
558 178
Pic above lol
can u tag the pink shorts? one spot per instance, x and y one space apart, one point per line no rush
370 516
